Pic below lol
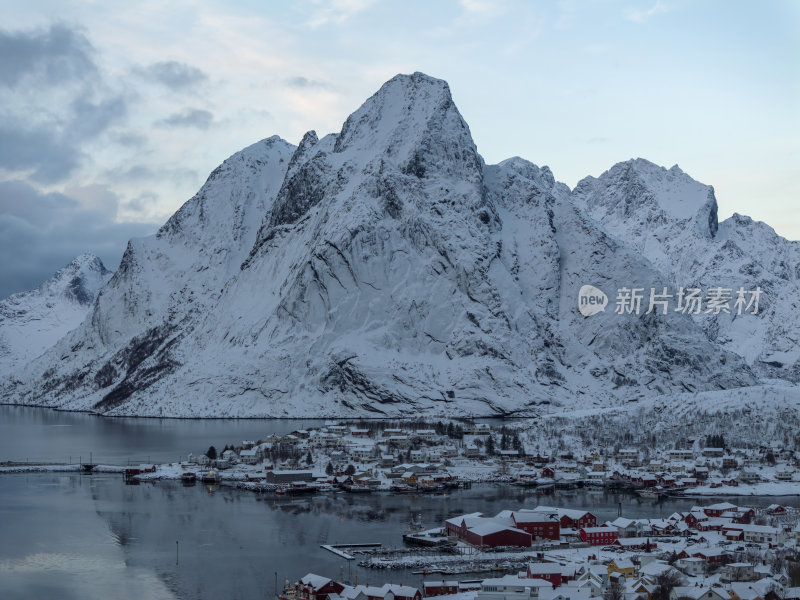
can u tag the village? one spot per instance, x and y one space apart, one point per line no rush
717 551
404 457
720 551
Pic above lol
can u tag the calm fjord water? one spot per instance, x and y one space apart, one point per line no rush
91 536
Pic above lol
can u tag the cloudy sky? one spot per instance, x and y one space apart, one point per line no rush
112 114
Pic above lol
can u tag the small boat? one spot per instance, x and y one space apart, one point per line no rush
188 478
401 488
355 488
648 493
300 487
210 476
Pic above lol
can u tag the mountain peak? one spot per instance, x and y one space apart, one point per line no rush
409 129
640 190
80 280
409 117
87 260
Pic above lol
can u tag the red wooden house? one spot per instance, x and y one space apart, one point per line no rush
599 536
551 572
318 587
495 534
716 510
539 525
439 588
576 518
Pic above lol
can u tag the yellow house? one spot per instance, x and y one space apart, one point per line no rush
641 590
744 591
624 566
410 478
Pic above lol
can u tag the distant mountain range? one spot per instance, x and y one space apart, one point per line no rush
387 270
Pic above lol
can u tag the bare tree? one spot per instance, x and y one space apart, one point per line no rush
613 591
665 583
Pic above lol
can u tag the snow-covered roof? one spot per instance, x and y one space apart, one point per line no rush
544 568
516 581
315 581
466 519
623 563
489 526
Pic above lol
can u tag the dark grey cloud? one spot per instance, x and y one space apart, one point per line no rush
131 139
140 173
41 232
90 119
52 55
174 75
21 200
42 150
191 117
303 82
40 136
51 151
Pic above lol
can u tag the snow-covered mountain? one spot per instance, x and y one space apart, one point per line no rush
671 220
382 270
31 322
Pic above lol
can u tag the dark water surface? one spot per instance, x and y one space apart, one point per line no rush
91 536
39 434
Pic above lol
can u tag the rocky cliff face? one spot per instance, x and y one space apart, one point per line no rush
384 270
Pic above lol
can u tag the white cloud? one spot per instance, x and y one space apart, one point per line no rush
640 16
337 11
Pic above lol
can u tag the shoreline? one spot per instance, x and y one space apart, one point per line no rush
351 418
239 479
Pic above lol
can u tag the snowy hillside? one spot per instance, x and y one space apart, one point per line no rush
31 322
384 270
672 221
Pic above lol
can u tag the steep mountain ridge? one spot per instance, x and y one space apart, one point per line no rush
380 271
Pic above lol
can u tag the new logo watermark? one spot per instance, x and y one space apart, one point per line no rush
591 300
689 300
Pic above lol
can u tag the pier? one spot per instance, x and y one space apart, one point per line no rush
335 548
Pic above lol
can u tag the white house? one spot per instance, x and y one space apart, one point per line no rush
625 527
691 566
739 571
511 587
763 534
417 455
363 453
249 457
680 454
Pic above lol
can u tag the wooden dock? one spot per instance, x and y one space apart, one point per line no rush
335 548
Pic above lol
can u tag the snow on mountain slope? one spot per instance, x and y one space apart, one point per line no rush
165 283
31 322
383 270
627 354
672 221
